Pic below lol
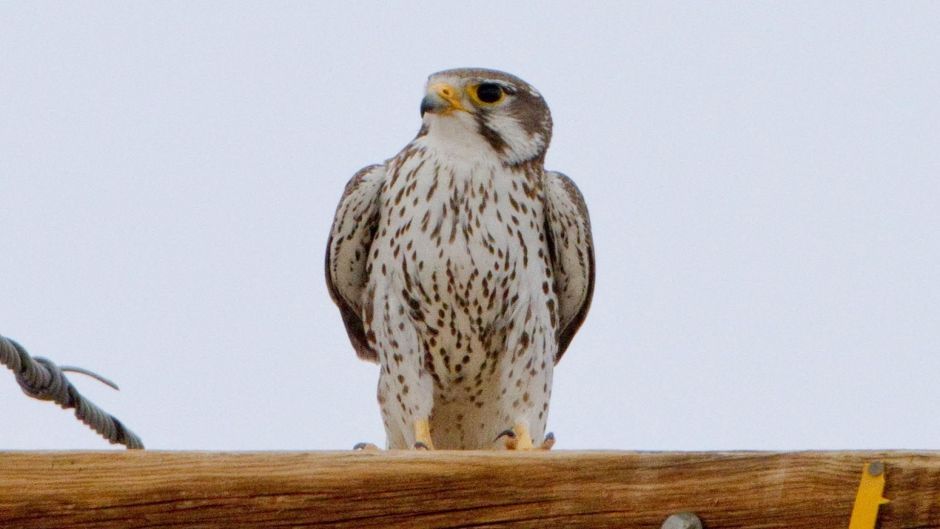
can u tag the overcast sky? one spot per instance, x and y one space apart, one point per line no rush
763 179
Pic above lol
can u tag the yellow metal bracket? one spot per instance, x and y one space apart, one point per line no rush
868 499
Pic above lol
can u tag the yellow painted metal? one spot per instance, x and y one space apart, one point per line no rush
869 497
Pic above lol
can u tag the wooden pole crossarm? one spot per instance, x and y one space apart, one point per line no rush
388 490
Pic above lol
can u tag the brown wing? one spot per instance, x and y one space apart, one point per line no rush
571 247
347 251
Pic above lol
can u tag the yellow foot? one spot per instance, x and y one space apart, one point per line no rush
518 438
366 447
423 435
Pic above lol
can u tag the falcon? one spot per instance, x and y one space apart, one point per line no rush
464 268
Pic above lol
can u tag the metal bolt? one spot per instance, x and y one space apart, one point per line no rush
682 520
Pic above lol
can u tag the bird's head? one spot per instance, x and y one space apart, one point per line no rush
505 111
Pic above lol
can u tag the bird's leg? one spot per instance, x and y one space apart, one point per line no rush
523 438
526 381
517 438
423 435
406 388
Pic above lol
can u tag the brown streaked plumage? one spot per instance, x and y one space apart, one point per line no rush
464 268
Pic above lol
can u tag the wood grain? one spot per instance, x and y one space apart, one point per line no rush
795 490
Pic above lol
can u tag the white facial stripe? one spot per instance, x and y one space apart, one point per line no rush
521 145
457 136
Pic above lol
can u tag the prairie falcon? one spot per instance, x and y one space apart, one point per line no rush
464 268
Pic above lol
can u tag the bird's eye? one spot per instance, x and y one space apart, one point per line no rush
490 93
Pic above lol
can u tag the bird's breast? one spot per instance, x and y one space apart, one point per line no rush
462 232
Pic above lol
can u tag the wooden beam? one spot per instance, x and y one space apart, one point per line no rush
753 490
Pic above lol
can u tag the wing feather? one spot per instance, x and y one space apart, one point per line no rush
347 252
571 247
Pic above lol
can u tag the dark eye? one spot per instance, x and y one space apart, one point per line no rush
489 92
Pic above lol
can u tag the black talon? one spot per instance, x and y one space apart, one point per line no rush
548 442
421 446
360 446
505 433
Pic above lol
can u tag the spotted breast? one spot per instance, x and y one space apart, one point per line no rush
463 268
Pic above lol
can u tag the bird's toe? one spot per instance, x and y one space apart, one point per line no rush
548 442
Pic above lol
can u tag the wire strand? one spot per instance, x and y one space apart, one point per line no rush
42 379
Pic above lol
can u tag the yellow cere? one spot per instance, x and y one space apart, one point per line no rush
448 93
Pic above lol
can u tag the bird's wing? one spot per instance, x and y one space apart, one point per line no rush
571 247
347 251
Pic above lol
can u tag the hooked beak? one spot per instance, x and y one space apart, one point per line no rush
441 98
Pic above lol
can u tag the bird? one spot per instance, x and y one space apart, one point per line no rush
464 268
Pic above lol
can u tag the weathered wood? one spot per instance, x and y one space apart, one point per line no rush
754 490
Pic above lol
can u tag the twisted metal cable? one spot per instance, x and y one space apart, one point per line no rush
41 379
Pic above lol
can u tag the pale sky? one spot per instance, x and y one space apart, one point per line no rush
763 180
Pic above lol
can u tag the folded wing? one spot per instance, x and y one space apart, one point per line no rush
572 250
347 251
